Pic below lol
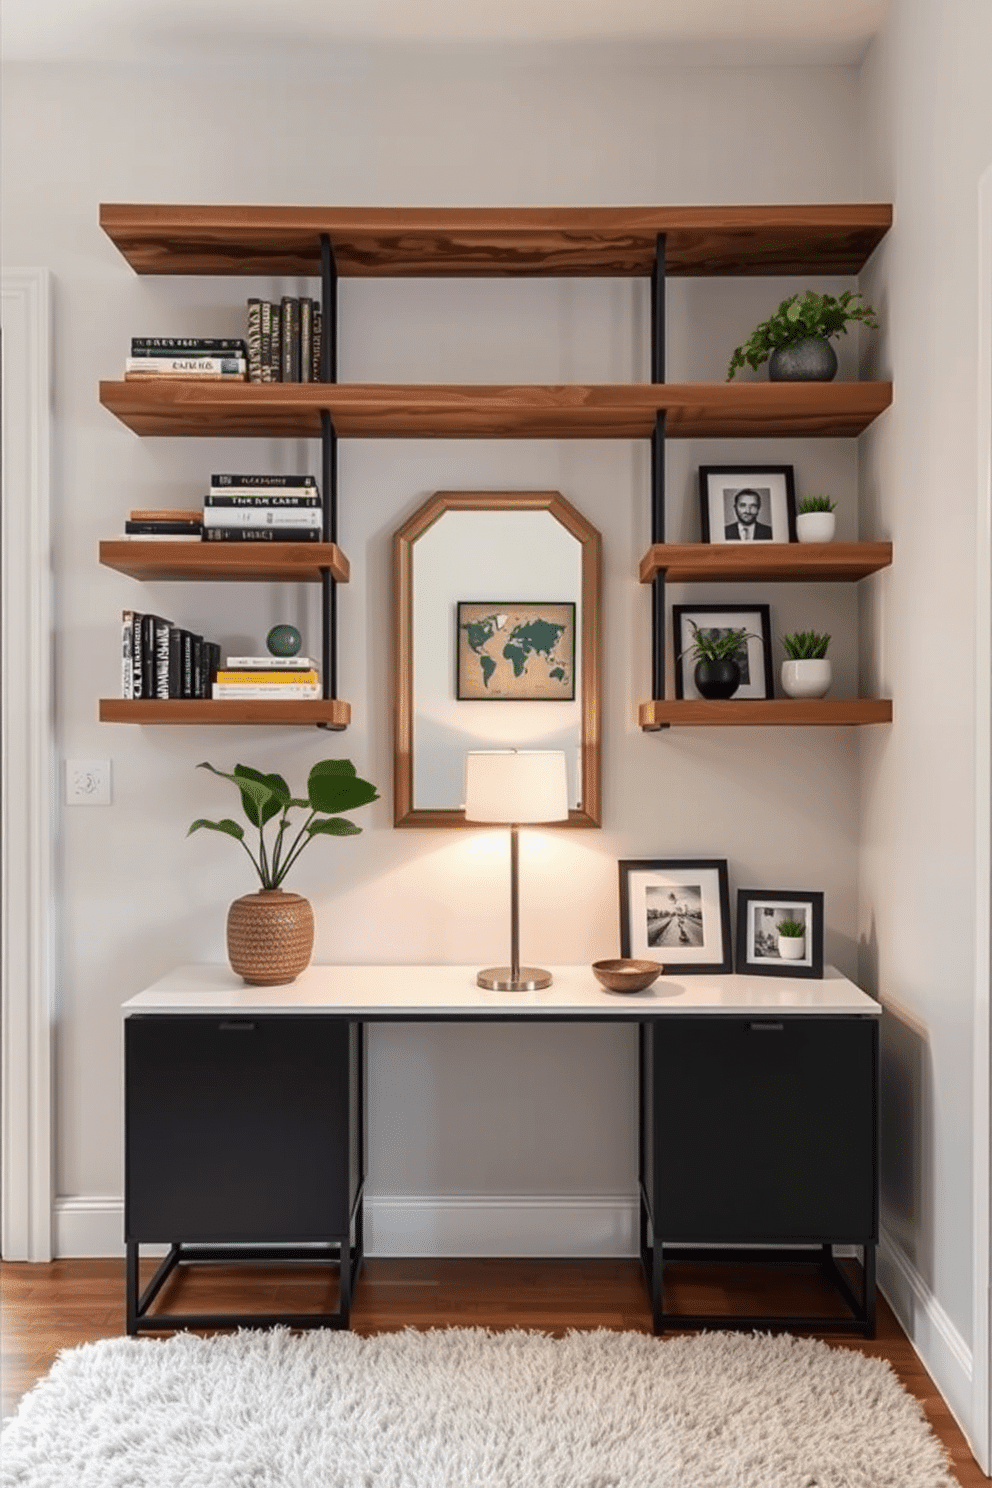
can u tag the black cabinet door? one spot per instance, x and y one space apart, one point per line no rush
761 1129
240 1128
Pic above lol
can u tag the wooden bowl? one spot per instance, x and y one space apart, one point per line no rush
624 975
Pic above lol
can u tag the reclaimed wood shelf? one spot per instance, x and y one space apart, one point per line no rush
487 242
332 713
505 411
748 713
237 562
700 563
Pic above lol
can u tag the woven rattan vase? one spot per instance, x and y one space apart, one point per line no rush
269 937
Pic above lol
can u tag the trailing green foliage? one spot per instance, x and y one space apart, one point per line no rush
723 646
332 789
815 504
805 645
799 316
791 929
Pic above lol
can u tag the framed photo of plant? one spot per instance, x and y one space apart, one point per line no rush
740 633
747 503
677 911
780 932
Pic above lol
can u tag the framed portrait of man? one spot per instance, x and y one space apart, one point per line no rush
747 503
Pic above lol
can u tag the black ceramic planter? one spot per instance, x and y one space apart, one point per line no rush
811 360
717 679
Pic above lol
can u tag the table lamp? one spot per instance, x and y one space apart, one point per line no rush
517 787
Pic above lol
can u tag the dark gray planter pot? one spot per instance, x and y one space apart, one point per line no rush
717 679
811 360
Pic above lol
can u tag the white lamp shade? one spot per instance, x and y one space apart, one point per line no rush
516 785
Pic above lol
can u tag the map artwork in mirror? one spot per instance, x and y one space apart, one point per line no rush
522 650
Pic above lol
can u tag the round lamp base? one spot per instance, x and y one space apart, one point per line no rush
501 979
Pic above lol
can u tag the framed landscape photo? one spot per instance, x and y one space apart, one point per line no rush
677 911
747 503
515 650
754 657
762 949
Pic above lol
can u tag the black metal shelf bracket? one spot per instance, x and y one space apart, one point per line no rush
329 468
658 470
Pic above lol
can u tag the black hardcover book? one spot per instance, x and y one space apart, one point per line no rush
262 534
254 340
211 651
188 346
175 661
150 628
318 334
137 655
276 342
162 529
219 481
265 340
289 312
306 339
279 498
186 653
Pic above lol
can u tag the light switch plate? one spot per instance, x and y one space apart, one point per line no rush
87 782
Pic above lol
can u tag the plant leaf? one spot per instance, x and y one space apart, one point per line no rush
333 767
333 826
227 826
333 793
258 799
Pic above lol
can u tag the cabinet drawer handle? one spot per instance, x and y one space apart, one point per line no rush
227 1027
766 1027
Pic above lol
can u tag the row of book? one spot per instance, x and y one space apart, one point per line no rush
217 358
162 660
284 339
239 508
279 677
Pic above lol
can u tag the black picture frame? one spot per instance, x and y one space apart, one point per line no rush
756 619
773 485
695 937
472 684
755 955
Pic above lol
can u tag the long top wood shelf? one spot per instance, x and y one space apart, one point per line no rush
700 563
444 242
330 713
504 411
237 562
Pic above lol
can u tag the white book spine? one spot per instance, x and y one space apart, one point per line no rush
261 516
243 692
272 663
193 366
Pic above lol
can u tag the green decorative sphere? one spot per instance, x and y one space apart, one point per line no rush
284 640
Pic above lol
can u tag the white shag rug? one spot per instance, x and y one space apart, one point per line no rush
466 1408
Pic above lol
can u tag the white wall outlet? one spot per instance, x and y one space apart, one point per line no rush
87 782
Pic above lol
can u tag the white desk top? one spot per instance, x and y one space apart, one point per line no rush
423 993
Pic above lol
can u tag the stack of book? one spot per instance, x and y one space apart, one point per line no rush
171 523
281 677
217 358
162 660
284 340
262 508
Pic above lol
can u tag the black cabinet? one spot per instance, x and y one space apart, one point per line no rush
759 1132
244 1139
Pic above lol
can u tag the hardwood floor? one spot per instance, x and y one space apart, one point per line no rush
44 1308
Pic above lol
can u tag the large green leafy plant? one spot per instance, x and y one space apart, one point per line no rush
799 316
333 787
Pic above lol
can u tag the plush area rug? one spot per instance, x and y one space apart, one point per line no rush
466 1408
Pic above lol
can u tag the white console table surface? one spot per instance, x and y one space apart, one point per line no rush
426 992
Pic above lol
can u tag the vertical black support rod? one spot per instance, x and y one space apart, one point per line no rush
329 312
658 311
658 536
328 585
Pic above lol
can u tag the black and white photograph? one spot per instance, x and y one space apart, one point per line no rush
713 621
747 503
676 911
780 932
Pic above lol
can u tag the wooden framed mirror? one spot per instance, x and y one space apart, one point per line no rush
484 582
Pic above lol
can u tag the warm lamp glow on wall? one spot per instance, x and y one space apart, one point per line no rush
518 787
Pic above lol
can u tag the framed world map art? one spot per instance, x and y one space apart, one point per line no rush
515 650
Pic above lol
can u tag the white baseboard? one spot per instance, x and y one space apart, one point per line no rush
943 1352
497 1225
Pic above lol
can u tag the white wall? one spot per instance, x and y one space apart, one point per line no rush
551 1117
928 140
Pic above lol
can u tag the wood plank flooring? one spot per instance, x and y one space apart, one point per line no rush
44 1308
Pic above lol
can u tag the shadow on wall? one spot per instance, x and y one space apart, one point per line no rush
906 1101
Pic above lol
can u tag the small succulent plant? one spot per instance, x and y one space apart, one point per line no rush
715 644
791 929
805 645
815 504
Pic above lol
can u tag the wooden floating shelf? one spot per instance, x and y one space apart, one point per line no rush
517 411
331 712
487 242
779 712
237 562
699 563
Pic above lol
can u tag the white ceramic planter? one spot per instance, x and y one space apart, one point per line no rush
792 947
812 527
806 679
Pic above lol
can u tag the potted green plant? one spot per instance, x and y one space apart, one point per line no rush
806 672
795 340
270 933
717 673
791 940
815 520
